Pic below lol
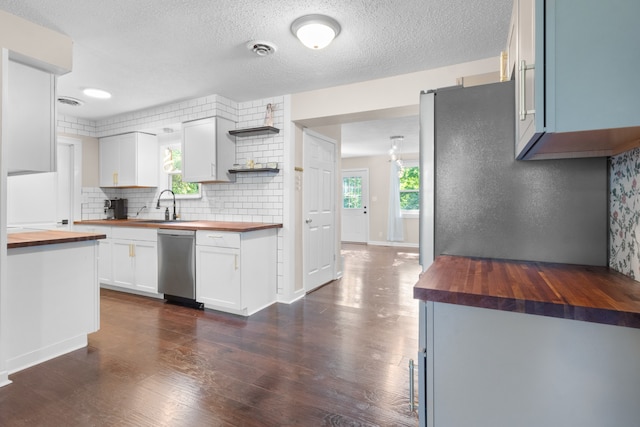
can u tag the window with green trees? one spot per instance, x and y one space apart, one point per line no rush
352 192
172 164
410 188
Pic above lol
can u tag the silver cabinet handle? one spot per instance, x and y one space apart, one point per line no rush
308 220
523 74
412 403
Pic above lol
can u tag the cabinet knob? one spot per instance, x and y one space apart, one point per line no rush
308 220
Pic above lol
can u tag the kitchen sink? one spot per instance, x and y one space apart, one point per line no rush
161 221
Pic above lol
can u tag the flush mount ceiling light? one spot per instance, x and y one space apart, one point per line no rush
315 31
96 93
261 47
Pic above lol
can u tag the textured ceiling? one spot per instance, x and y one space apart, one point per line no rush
153 52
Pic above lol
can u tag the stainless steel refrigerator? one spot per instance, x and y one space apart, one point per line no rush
477 200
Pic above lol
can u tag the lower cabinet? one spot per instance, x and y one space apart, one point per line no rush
127 258
134 253
493 368
105 270
236 272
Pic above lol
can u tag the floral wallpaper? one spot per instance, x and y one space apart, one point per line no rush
624 214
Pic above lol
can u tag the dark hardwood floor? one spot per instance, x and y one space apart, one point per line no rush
338 357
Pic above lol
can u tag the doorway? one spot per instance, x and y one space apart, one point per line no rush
319 203
355 204
69 171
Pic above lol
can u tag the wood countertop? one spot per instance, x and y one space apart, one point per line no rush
48 237
184 225
592 294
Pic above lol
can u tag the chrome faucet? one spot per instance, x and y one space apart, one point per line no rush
175 216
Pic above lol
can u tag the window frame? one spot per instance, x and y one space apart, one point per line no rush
167 176
410 213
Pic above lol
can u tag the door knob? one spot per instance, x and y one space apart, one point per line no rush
308 220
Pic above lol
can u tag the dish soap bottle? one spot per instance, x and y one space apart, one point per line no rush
166 214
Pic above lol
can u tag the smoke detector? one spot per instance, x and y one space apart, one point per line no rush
72 102
261 47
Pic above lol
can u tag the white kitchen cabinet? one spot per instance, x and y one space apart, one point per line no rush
135 259
577 94
236 272
30 125
208 150
129 160
105 262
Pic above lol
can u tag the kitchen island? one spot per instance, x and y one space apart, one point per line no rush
51 300
507 343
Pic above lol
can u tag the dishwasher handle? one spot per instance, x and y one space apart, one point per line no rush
171 232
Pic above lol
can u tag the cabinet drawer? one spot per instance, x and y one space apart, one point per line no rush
219 239
132 233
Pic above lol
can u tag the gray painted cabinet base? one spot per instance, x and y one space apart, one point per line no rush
497 368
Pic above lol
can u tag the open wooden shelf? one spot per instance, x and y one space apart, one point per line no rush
259 130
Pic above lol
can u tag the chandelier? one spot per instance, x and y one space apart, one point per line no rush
394 153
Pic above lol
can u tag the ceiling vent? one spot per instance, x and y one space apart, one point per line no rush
72 102
261 48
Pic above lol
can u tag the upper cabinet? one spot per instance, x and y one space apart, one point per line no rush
129 160
31 138
577 94
208 150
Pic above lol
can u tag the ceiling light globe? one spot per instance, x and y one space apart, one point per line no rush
315 36
315 31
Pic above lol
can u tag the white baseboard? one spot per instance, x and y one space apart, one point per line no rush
395 244
43 354
132 291
298 295
4 378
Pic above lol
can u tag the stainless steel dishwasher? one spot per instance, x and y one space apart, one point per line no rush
177 266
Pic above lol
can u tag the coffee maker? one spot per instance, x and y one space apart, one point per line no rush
115 208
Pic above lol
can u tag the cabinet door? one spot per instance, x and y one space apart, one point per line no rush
199 150
123 263
525 71
31 127
146 266
109 161
218 277
127 160
105 273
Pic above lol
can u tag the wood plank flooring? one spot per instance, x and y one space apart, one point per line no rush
338 357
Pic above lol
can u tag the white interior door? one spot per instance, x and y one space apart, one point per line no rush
355 204
319 209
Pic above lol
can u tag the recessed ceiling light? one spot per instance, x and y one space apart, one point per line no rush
96 93
315 31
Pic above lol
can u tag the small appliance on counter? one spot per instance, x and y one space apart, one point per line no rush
115 208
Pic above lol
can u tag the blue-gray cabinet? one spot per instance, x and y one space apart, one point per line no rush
575 66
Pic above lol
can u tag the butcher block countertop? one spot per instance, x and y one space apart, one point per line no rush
592 294
48 237
184 225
